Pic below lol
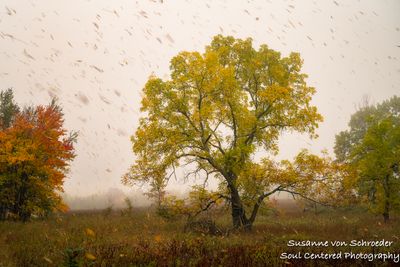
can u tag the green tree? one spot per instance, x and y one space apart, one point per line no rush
8 109
372 147
216 110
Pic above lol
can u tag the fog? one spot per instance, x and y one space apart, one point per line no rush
95 56
113 198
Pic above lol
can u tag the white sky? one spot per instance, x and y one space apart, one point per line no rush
97 55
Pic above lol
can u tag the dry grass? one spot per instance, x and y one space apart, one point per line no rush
144 239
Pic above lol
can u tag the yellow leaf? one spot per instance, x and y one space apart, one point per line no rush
157 238
90 256
90 232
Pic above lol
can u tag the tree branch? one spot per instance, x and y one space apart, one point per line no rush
209 204
307 198
234 125
259 201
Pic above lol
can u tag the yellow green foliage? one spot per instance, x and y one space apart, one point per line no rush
372 148
216 109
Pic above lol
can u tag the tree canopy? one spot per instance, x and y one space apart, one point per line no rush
35 151
8 108
216 110
360 122
372 147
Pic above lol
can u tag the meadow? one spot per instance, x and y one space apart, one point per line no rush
141 238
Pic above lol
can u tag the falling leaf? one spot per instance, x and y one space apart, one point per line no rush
11 37
121 132
10 11
83 98
169 38
28 55
96 68
104 99
143 13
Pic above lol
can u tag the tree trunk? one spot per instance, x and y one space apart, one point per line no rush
24 215
2 213
386 216
239 218
20 204
386 210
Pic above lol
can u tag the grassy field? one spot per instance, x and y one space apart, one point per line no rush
141 238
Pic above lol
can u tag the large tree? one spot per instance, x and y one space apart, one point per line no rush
217 109
372 147
35 151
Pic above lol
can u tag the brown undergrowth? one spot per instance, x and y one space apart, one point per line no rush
141 238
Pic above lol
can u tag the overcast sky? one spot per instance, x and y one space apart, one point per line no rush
95 56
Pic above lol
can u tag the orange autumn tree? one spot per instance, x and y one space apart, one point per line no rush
35 152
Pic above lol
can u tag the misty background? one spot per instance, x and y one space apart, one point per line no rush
96 56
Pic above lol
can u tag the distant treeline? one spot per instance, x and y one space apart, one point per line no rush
113 198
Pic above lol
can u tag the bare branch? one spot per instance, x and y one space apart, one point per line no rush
209 205
305 197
